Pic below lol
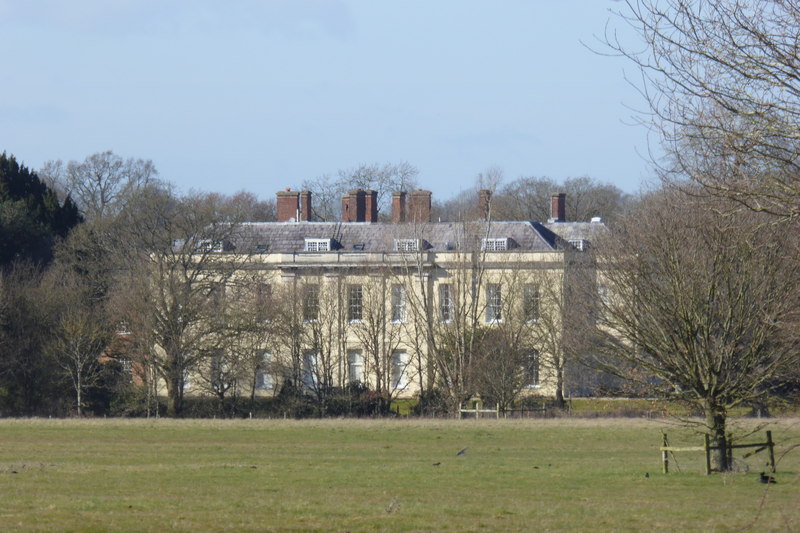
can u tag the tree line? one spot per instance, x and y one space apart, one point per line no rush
84 242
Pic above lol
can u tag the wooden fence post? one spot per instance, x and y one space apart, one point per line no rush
708 454
771 446
664 456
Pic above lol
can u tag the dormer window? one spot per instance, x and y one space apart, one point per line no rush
406 245
318 245
579 244
495 244
207 245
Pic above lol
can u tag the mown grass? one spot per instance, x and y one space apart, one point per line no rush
361 475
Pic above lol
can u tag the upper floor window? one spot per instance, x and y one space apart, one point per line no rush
398 303
530 302
318 245
263 293
495 244
406 245
355 303
445 302
310 302
494 302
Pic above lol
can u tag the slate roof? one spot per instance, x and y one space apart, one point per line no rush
289 237
588 231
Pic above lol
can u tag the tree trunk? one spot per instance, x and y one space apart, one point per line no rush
715 426
174 397
78 390
560 387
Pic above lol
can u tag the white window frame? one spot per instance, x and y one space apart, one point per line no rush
531 302
126 365
533 367
398 302
445 302
264 378
355 366
310 369
400 362
494 302
317 245
406 245
211 246
579 244
310 302
355 303
495 244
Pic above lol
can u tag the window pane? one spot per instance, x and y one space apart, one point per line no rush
398 303
532 369
531 302
399 367
355 299
494 302
264 379
310 370
445 303
355 363
310 302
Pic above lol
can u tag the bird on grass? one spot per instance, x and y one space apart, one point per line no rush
764 478
462 453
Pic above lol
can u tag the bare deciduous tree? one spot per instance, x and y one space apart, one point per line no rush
102 183
384 179
171 295
697 306
379 331
721 81
448 326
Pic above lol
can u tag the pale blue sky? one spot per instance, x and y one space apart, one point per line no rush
260 95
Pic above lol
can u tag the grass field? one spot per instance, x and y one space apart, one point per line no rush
385 475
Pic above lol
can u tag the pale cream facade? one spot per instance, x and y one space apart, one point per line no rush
371 316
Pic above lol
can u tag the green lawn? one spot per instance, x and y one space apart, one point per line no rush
354 475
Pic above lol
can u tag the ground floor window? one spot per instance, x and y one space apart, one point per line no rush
355 366
264 379
399 369
532 369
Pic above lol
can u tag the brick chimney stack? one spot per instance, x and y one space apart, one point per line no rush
558 207
287 205
353 206
370 206
484 203
419 206
305 206
398 207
